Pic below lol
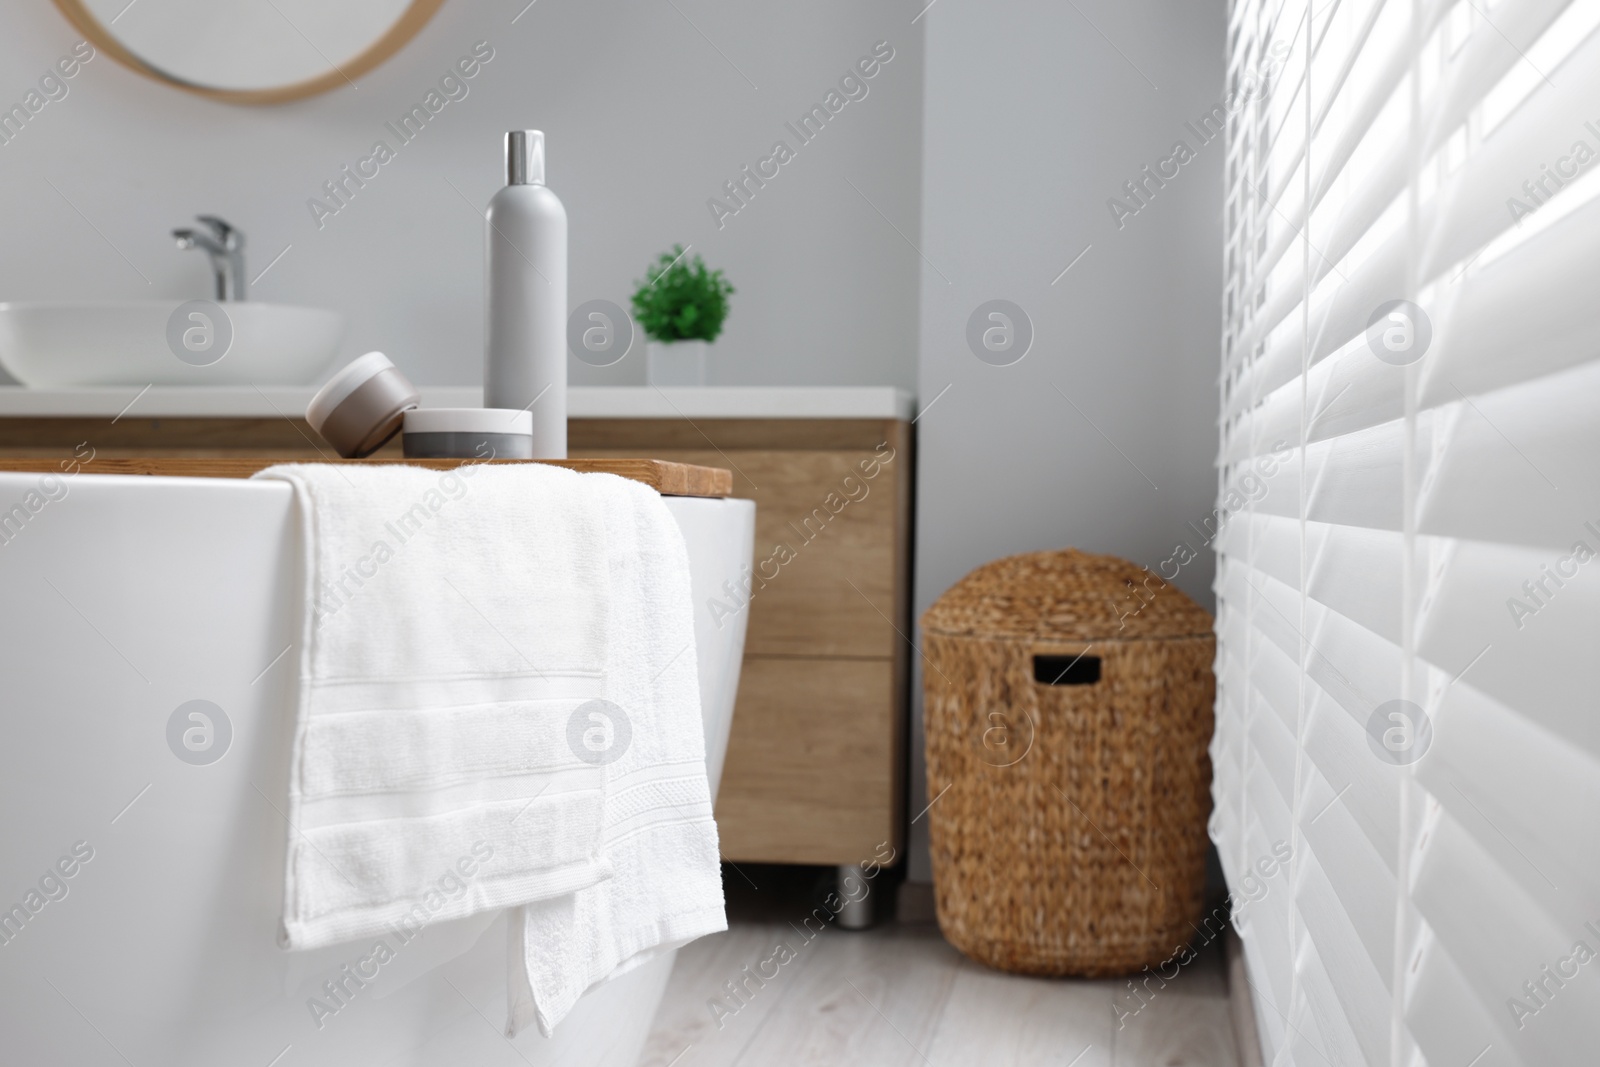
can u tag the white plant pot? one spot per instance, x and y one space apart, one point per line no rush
675 362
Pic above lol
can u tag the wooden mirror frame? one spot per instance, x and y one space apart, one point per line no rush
405 27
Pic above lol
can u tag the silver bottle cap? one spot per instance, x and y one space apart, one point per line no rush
525 157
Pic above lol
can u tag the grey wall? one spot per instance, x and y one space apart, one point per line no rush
1033 119
645 120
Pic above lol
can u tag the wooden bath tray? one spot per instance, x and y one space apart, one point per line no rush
664 476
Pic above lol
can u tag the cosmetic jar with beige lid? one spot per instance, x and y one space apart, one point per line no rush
362 406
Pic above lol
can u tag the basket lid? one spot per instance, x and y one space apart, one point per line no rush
1065 594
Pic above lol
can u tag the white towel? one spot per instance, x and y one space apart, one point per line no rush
499 706
451 629
659 836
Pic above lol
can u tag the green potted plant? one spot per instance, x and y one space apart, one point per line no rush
681 307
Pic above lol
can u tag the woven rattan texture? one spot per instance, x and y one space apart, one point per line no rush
1065 594
1072 837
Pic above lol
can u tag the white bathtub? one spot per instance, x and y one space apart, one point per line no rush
123 599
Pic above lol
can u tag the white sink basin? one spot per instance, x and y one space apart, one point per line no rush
57 344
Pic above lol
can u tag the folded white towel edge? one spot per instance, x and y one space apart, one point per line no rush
648 942
302 502
351 924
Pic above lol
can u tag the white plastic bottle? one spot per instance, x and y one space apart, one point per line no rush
526 286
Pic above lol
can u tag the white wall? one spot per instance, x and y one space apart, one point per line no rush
644 118
1032 121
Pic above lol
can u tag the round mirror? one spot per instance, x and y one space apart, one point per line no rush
251 51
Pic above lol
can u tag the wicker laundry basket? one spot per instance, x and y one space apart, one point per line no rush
1068 709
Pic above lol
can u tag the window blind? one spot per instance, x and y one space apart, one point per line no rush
1408 590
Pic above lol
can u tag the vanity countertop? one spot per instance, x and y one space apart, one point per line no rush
583 402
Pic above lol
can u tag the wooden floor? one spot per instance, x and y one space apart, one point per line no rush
900 996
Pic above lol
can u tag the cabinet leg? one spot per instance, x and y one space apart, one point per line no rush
854 890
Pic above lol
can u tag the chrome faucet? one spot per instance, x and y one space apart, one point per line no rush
225 245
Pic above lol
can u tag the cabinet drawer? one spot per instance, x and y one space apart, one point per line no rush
812 774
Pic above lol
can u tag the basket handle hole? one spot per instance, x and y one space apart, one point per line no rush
1066 670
